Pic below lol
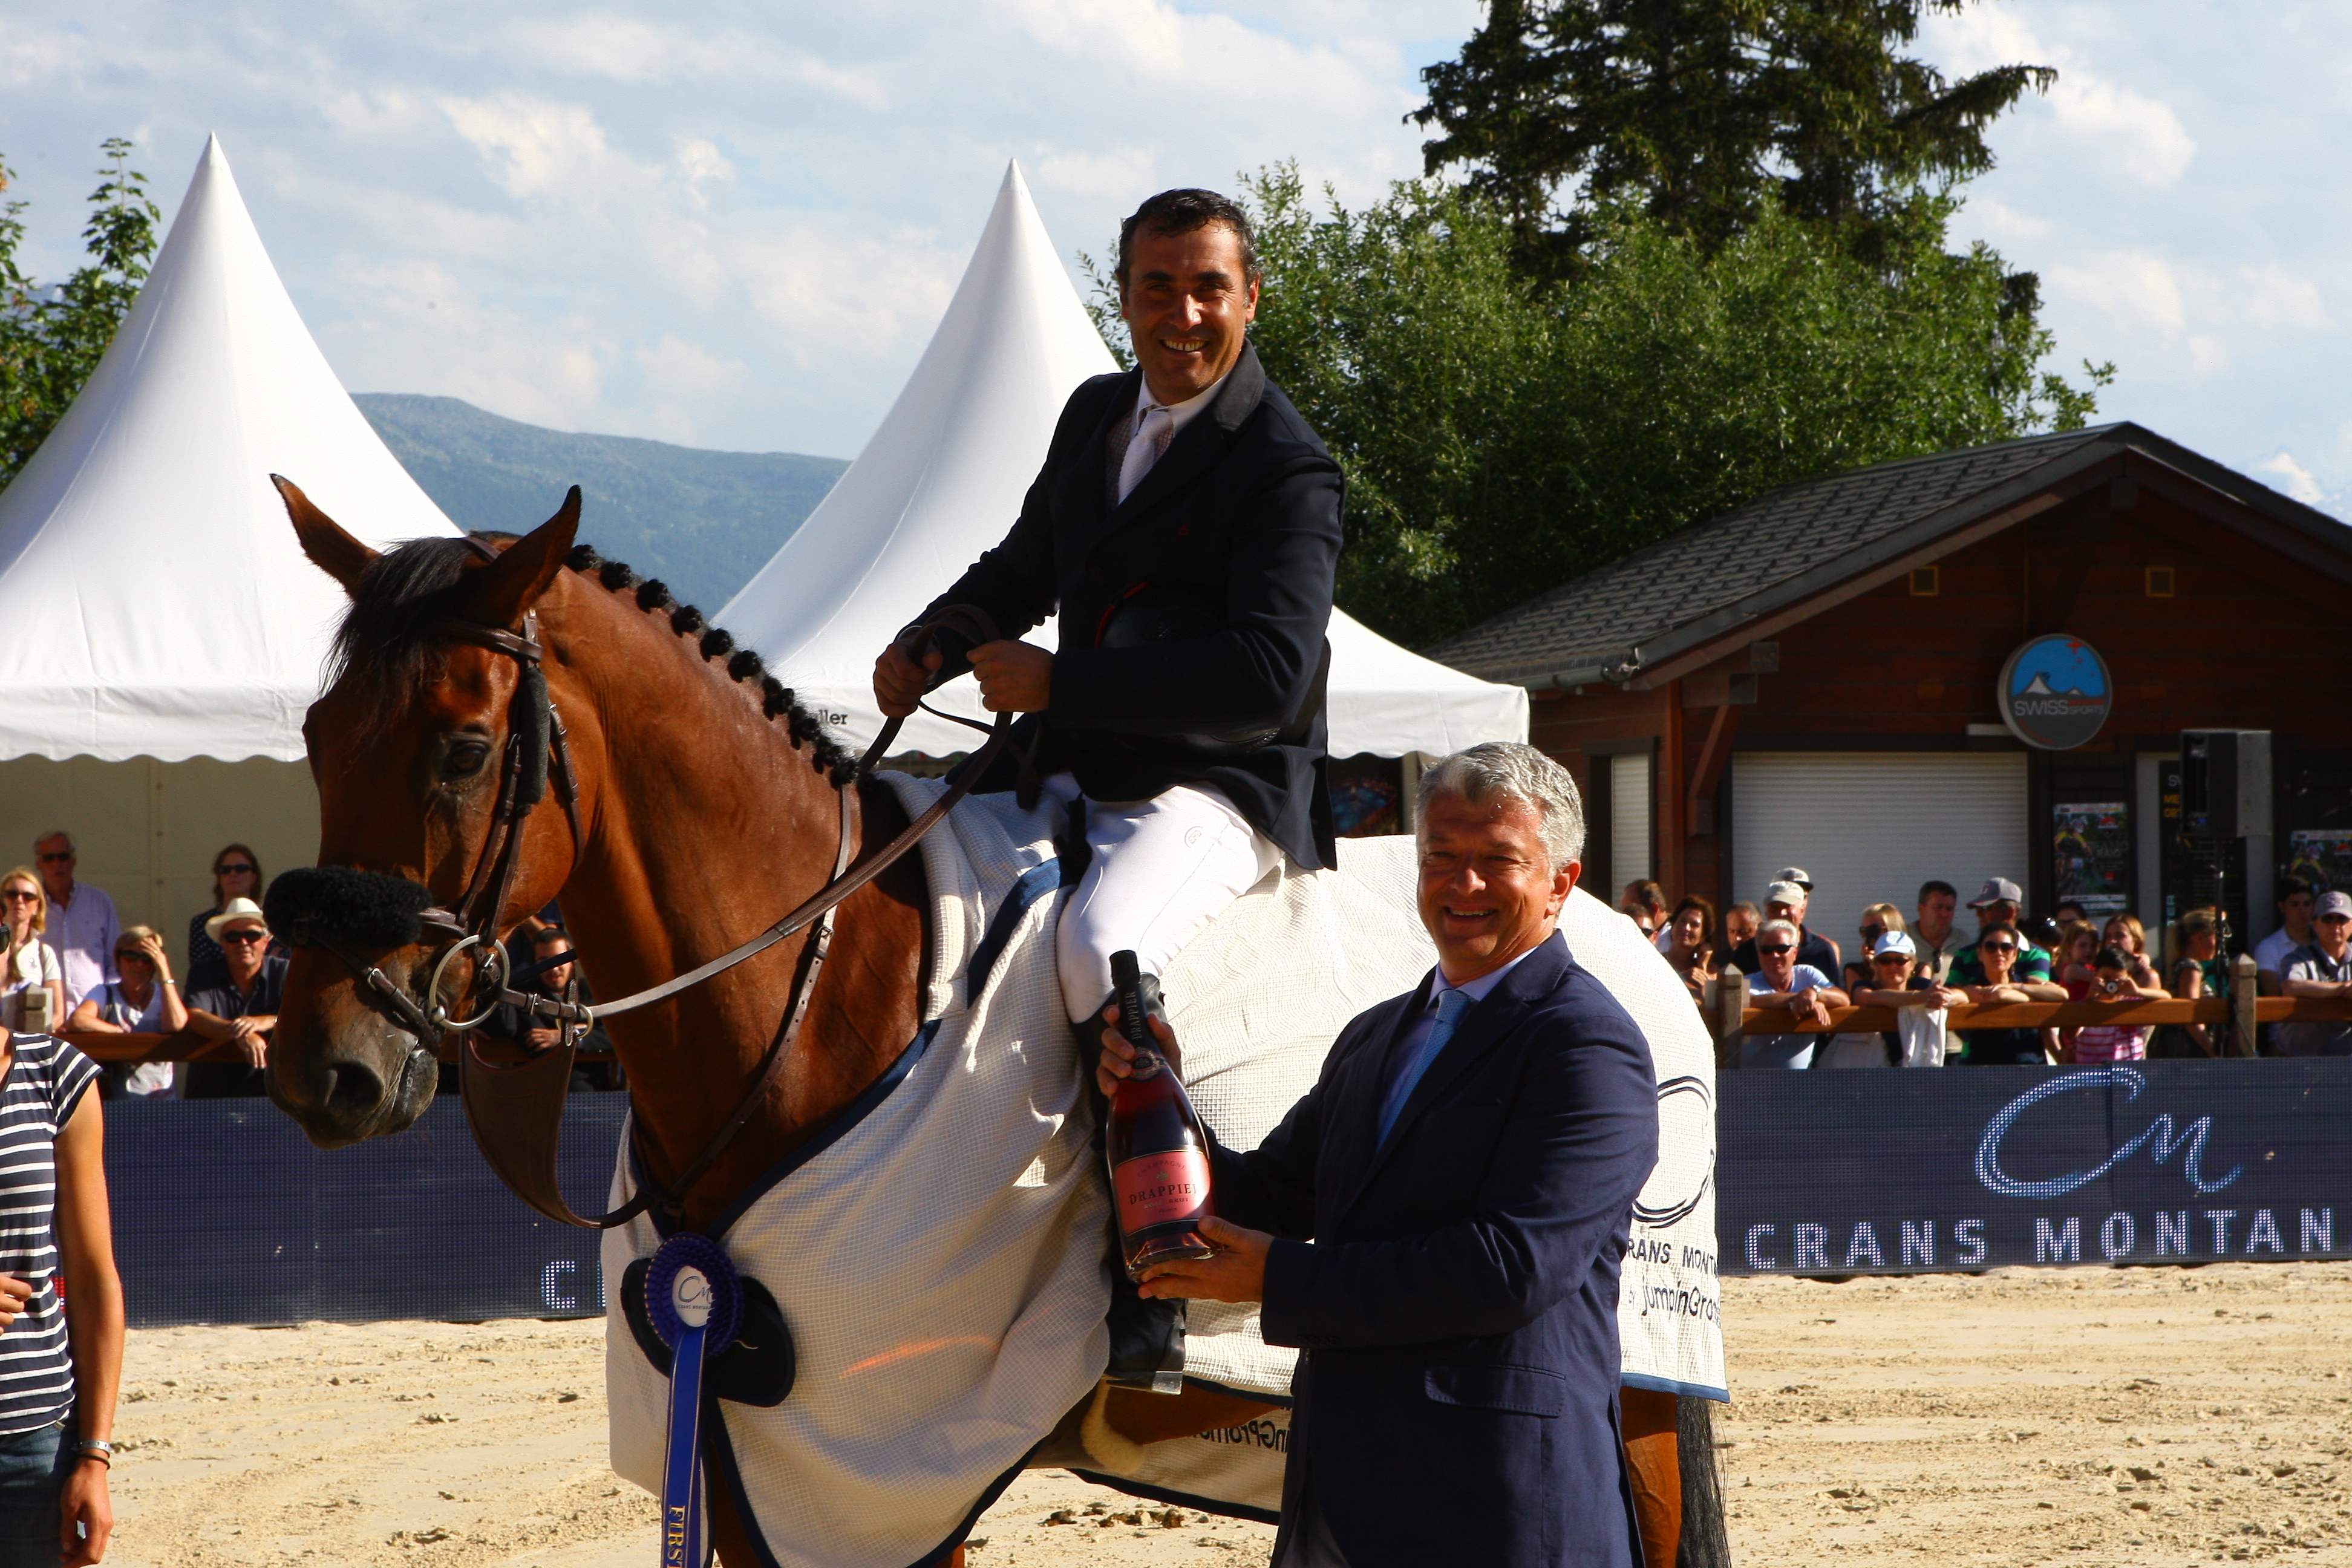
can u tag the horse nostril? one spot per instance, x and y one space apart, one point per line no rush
354 1092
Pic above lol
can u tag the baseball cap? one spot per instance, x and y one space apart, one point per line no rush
1895 941
2333 904
1996 890
1785 892
1797 874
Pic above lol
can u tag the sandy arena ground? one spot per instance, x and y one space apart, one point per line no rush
2085 1417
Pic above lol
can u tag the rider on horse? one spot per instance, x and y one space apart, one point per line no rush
1186 527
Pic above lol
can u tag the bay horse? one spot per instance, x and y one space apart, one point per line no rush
708 800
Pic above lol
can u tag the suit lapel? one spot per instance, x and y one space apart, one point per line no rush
1477 1035
1360 1085
1198 446
1084 504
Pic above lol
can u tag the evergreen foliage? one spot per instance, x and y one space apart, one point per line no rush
1706 113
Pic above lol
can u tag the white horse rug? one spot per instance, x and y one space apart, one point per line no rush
942 1255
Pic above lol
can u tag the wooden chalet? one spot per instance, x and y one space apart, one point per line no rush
1810 680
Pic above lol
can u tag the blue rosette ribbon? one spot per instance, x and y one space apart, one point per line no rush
696 1302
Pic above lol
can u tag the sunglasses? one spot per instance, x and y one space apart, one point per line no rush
240 938
1999 947
1783 947
231 871
131 955
1874 933
54 856
1890 958
19 896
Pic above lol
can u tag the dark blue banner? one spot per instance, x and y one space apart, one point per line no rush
225 1213
1966 1168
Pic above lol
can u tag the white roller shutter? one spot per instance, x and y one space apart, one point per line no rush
1628 820
1872 826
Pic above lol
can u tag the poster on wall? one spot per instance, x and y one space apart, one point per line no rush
2093 852
2322 858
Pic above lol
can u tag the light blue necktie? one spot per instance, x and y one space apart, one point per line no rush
1451 1005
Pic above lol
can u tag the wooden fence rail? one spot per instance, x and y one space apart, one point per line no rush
2242 1010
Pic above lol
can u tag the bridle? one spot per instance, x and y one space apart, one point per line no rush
516 1109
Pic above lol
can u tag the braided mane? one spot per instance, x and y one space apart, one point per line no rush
387 637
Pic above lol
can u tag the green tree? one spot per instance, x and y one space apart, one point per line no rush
1706 113
52 336
1499 441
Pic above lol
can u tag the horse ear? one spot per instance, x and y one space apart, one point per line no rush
331 550
500 592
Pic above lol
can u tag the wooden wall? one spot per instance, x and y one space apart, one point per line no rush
2249 640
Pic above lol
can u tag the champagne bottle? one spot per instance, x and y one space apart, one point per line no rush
1158 1151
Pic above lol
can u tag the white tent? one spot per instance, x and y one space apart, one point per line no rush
943 479
164 632
155 600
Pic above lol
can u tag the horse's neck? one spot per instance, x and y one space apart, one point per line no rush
708 825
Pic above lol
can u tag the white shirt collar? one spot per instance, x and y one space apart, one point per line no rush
1178 414
1478 989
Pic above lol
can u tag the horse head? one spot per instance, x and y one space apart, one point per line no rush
427 712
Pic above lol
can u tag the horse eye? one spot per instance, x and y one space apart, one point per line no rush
465 759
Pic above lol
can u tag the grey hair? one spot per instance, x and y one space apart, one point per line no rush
1777 923
71 848
1519 773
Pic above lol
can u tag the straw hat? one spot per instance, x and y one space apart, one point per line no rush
238 910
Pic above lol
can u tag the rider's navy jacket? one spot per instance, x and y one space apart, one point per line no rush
1241 515
1457 1399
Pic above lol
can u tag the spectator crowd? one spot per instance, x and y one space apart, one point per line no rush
1923 965
73 967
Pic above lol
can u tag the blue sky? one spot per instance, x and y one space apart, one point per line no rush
738 230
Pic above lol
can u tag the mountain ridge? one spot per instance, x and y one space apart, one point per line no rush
701 521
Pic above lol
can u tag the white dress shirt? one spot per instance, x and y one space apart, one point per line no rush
1148 438
83 932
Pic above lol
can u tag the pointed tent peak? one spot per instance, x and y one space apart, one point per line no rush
942 480
147 568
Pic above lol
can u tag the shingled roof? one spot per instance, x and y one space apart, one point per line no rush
1788 543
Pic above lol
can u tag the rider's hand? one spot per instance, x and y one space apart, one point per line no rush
1117 1060
1014 677
898 681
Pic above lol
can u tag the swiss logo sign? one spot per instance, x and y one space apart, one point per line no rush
2054 693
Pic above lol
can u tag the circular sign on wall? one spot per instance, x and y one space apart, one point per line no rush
2054 693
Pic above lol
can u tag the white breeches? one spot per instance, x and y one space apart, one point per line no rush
1162 869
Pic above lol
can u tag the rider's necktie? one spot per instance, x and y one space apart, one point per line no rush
1152 433
1451 1005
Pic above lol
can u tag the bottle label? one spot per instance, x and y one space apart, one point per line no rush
1153 1189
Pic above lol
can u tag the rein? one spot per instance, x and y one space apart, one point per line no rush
516 1110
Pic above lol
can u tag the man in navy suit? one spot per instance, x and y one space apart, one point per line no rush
1438 1225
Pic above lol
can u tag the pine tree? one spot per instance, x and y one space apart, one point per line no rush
1703 110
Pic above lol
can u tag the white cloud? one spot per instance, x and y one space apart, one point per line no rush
2274 297
2112 125
2139 288
2123 129
536 148
2298 481
626 49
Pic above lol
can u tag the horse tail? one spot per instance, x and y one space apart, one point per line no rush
1705 1543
